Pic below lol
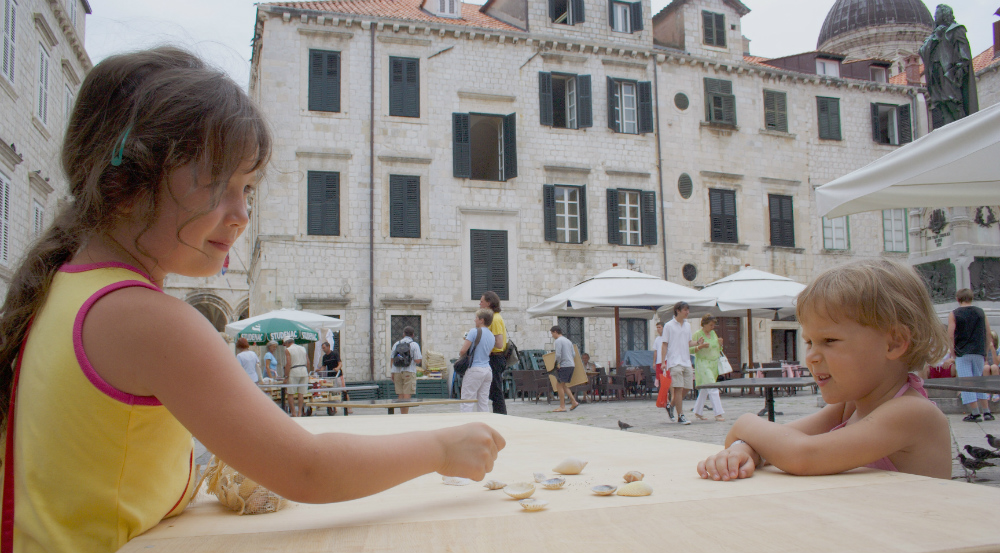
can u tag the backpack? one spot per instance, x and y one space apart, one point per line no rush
401 354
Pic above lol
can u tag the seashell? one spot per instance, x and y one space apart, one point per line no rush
539 476
633 476
519 490
533 504
456 480
604 490
553 483
635 489
572 465
247 488
494 485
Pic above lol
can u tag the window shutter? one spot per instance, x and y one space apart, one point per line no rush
614 237
876 131
835 118
647 201
715 214
4 219
611 14
397 86
645 101
549 210
708 27
578 12
412 226
782 221
412 95
324 81
498 263
770 111
404 206
774 210
729 233
583 214
584 102
509 147
905 125
612 105
545 98
552 10
480 268
729 109
9 39
781 107
323 198
720 29
636 13
461 147
823 117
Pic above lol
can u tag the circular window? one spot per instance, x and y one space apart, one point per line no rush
685 185
681 101
690 272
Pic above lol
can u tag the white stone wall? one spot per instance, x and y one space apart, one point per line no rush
988 86
694 31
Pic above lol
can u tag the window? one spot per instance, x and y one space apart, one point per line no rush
830 68
722 209
398 322
484 147
565 100
404 87
4 218
489 263
630 106
891 124
38 213
714 27
625 17
829 117
572 328
447 8
836 234
775 111
894 227
9 33
720 104
565 213
631 217
323 209
566 12
72 12
782 221
404 206
633 334
42 105
69 103
878 74
324 81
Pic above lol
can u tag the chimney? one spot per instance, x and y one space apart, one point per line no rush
746 46
911 66
996 38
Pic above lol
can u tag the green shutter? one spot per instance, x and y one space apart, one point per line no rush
324 81
708 27
829 117
905 125
781 107
461 146
782 220
509 147
614 236
412 94
552 10
775 111
611 14
636 12
480 268
647 202
498 263
720 30
644 93
715 215
397 76
549 211
835 119
323 203
412 227
583 214
579 16
404 206
876 130
729 233
545 98
613 105
584 102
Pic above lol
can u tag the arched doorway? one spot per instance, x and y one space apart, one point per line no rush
214 308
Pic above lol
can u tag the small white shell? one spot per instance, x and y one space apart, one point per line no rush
553 483
520 490
533 504
494 485
604 490
456 480
572 465
635 489
539 476
633 476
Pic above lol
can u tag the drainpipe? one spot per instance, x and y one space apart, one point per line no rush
659 164
371 214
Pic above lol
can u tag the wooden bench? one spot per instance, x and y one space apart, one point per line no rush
390 404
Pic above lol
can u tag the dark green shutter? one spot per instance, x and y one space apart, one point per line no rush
708 26
583 214
404 206
549 211
480 269
829 117
509 147
323 203
397 76
729 109
324 81
782 220
412 95
461 146
584 102
578 12
498 264
552 10
876 131
720 30
613 105
835 119
545 98
720 104
775 111
614 236
729 217
781 106
636 13
905 125
715 214
647 202
611 14
644 91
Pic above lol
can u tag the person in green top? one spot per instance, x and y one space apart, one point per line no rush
706 367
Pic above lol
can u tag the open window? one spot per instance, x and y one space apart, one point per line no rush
565 213
830 68
484 146
566 12
565 100
714 28
625 17
720 103
891 124
630 106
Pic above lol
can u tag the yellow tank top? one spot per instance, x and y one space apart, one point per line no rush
93 467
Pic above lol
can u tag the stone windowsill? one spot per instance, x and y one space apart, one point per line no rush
726 246
41 127
825 251
899 255
8 87
411 160
784 249
406 302
778 134
719 128
8 155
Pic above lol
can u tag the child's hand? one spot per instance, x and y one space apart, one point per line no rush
469 450
729 464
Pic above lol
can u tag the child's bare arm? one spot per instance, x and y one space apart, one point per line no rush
132 338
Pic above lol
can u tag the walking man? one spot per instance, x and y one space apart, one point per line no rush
296 374
677 357
405 359
969 336
564 368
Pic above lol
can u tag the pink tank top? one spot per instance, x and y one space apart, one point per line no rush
912 381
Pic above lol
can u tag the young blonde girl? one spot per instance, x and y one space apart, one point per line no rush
867 326
112 375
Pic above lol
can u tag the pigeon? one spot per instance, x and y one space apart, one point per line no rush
973 464
993 441
624 425
981 453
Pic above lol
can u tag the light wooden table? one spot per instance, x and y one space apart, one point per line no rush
862 511
390 404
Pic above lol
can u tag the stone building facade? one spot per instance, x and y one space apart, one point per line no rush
43 64
523 148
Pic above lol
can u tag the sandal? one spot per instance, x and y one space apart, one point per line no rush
701 418
558 410
720 418
574 407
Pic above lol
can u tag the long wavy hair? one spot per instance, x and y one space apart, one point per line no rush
154 111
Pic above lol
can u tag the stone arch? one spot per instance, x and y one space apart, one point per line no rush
242 310
214 308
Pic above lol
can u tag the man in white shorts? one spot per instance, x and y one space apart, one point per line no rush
297 374
677 358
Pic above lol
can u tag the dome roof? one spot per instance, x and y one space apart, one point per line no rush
851 15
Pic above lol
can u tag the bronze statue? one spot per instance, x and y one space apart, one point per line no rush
948 69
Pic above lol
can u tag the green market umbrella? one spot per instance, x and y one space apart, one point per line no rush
261 332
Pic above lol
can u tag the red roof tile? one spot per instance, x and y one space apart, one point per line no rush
757 60
401 9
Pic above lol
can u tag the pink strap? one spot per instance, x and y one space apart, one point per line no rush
7 521
912 381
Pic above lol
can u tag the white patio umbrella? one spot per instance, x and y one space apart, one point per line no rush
616 292
749 289
957 165
312 320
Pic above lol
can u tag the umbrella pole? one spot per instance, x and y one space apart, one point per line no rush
749 340
618 342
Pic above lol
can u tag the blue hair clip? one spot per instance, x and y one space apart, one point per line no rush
116 159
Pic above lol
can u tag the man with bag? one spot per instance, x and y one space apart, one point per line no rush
564 366
405 358
662 376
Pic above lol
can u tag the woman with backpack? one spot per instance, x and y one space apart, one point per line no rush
405 359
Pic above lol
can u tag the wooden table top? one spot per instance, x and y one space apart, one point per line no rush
393 403
760 383
861 511
981 384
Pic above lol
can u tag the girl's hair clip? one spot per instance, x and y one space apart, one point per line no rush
116 158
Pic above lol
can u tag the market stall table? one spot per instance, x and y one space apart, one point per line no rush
335 389
862 511
769 384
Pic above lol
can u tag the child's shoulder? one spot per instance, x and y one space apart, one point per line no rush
913 409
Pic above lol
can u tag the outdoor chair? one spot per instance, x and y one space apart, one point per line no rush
616 386
591 387
525 383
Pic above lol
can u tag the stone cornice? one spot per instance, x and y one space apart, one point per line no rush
626 173
718 175
554 57
45 30
406 302
70 73
784 182
72 37
9 155
39 183
566 169
405 41
620 63
325 33
328 154
321 304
